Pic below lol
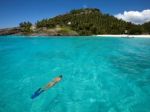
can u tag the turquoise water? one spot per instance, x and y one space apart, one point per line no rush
99 74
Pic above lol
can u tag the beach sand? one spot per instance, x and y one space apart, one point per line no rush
125 36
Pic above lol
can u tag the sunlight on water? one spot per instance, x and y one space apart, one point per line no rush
99 74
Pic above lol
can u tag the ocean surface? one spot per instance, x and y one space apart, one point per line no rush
99 74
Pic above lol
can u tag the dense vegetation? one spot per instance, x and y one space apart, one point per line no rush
146 27
26 27
89 22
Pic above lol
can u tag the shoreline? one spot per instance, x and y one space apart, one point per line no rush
125 36
105 36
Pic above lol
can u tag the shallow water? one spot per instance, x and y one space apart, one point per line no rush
99 74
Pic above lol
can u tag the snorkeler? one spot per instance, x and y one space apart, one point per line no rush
46 87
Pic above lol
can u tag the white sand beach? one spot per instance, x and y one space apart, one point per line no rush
125 36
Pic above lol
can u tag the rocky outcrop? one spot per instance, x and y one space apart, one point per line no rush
10 31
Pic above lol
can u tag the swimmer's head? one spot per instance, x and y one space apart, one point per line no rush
60 76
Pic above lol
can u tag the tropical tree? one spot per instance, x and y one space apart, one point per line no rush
26 27
146 27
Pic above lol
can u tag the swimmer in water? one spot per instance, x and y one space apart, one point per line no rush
46 87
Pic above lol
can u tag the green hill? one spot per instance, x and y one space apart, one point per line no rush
89 21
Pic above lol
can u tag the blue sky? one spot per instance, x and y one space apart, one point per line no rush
12 12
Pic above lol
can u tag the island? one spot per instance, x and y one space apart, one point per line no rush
79 22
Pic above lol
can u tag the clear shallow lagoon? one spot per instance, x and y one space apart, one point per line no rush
99 74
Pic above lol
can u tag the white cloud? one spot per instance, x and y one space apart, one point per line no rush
136 17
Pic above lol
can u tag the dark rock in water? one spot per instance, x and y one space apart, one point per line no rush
10 31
